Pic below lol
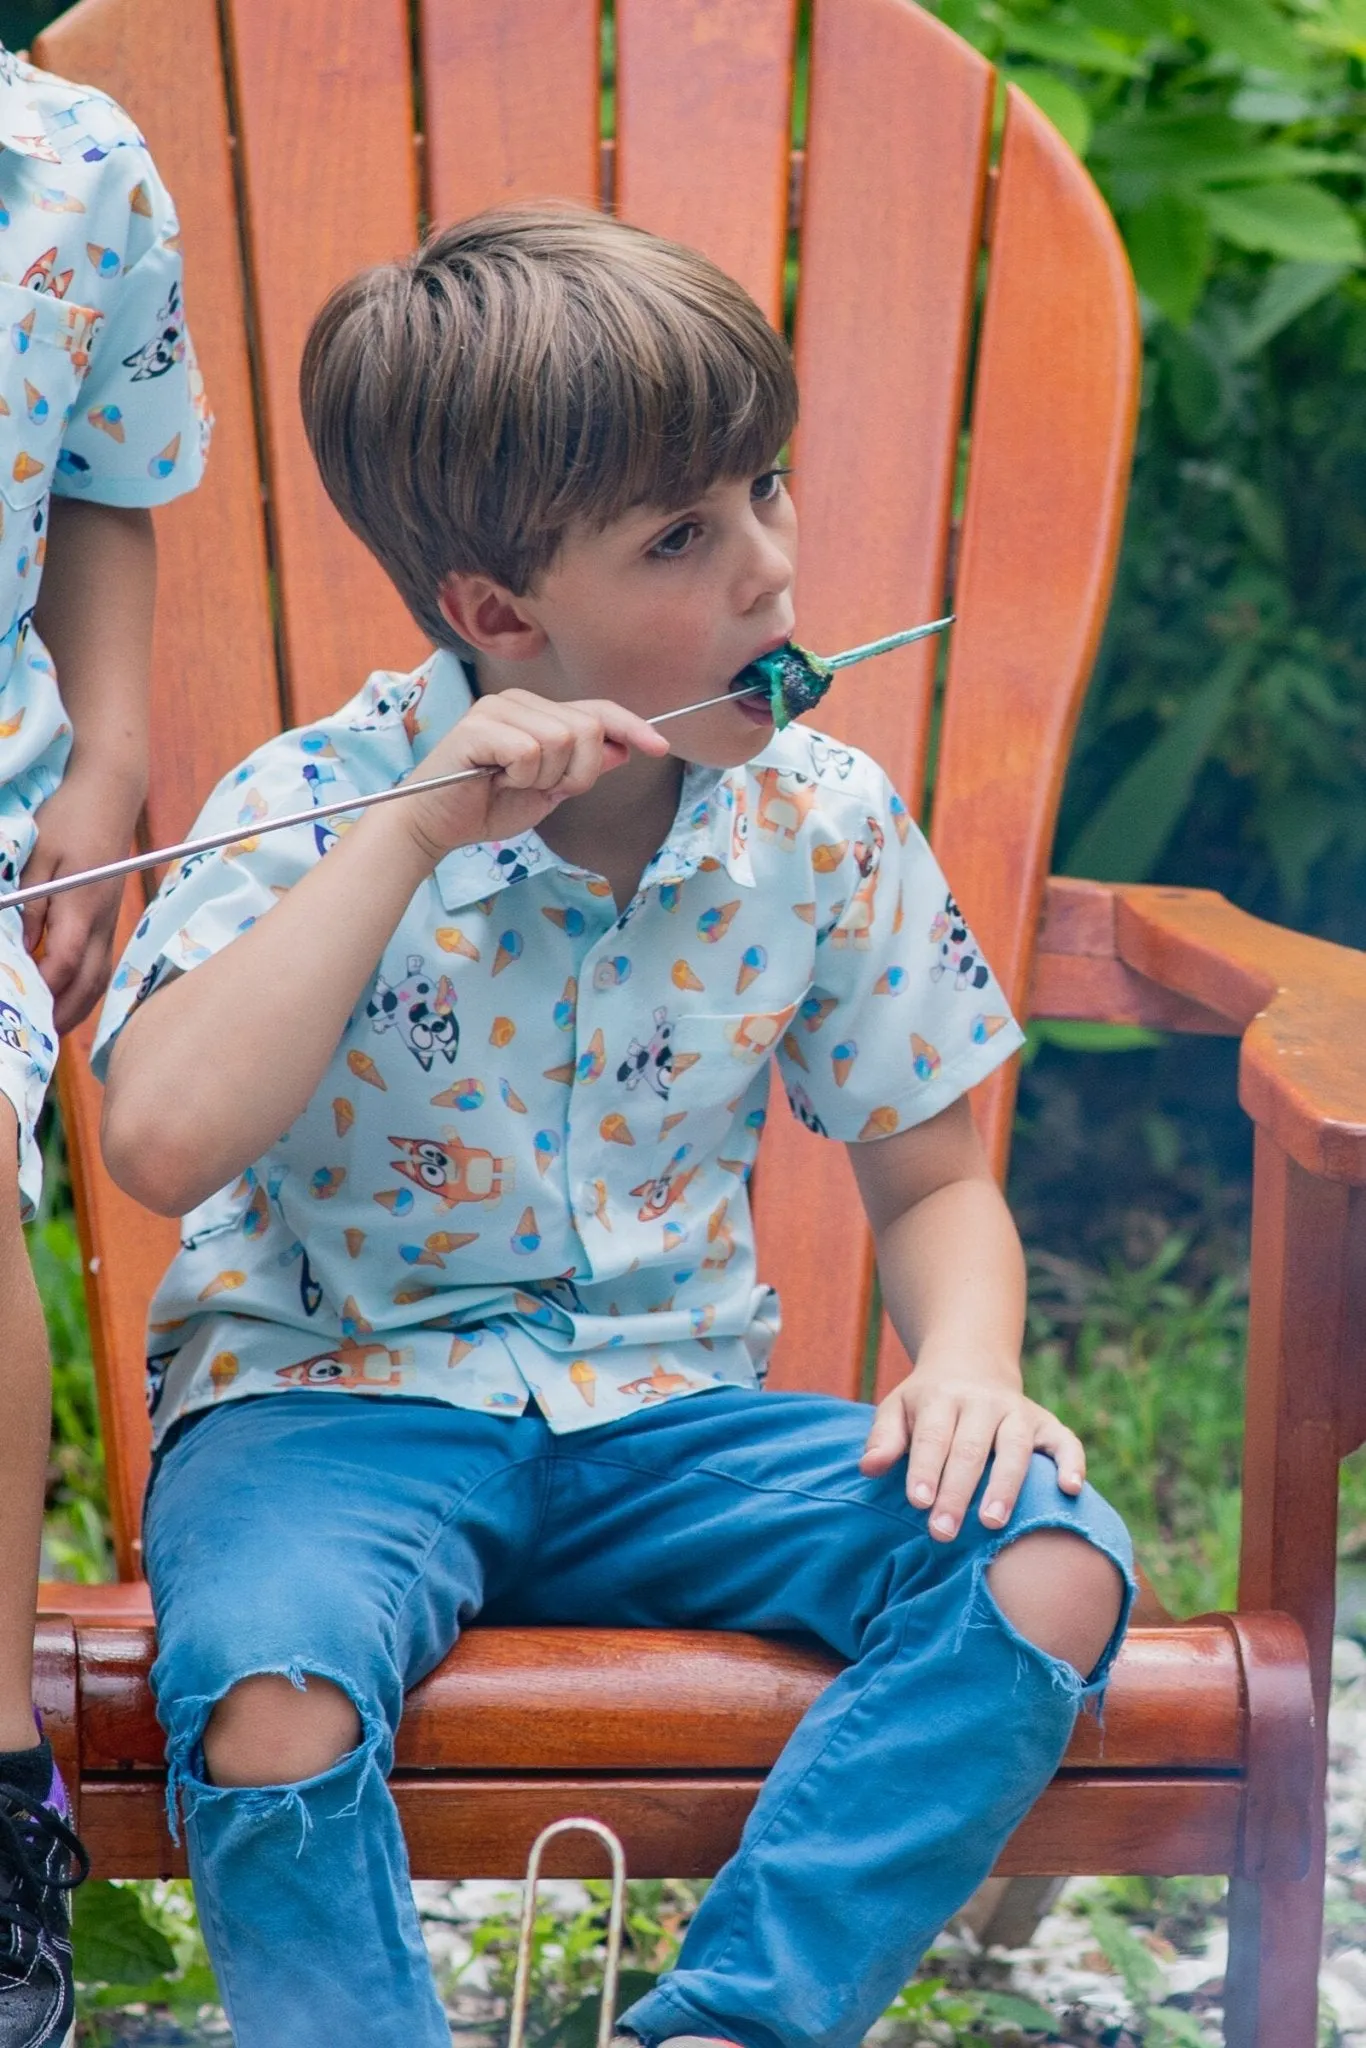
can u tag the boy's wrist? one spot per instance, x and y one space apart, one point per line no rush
988 1365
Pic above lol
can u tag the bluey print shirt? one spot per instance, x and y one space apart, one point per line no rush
524 1176
99 393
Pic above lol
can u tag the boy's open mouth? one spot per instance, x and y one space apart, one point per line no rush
751 689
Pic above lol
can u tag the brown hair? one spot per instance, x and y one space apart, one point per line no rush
527 368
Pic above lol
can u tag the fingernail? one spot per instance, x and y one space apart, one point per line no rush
943 1525
922 1494
1074 1479
994 1511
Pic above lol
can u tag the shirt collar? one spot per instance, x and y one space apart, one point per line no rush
22 127
709 827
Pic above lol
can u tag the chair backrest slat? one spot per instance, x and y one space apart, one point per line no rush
510 102
896 159
891 254
1054 406
324 111
704 104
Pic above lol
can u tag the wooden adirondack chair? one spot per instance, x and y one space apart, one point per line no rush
304 142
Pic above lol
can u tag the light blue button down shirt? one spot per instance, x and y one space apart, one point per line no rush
525 1173
99 398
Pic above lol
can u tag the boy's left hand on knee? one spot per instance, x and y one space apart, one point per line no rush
952 1421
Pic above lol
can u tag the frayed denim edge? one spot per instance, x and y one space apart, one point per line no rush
982 1610
187 1785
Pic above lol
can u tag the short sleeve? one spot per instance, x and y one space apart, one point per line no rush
210 899
140 429
905 1014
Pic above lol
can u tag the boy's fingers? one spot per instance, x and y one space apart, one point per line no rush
887 1439
1014 1449
932 1434
626 728
971 1447
1066 1452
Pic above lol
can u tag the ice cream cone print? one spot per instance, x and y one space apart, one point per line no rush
570 921
684 1060
502 1031
564 1010
509 949
546 1146
511 1099
593 1058
814 1011
364 1069
682 976
615 1129
825 859
222 1283
611 973
10 726
26 466
526 1238
596 1205
412 1291
223 1371
451 939
713 924
805 911
355 1241
585 1379
674 1234
343 1115
596 886
672 1121
564 1072
353 1323
924 1058
984 1028
398 1201
466 1094
842 1059
444 1241
753 961
891 983
880 1124
460 1350
140 200
326 1182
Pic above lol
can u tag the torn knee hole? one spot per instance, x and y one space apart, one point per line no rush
276 1729
1061 1593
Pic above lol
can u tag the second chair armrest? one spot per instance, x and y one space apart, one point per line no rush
1299 1003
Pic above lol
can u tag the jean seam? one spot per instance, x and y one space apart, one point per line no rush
456 1508
912 1517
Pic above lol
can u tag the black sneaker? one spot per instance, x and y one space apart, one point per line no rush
41 1863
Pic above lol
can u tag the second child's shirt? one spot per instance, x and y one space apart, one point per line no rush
525 1173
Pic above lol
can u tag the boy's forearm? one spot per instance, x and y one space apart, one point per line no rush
94 614
215 1065
953 1281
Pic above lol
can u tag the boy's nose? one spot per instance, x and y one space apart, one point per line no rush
769 570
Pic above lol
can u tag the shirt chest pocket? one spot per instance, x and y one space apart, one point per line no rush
45 350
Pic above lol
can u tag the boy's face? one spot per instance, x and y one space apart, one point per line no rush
654 611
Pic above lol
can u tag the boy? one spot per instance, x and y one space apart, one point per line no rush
101 417
516 1036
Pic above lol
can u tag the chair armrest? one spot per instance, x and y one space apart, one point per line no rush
1299 1003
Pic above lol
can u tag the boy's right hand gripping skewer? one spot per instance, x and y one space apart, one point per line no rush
522 1984
795 681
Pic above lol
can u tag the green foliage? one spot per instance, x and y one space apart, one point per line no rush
138 1945
76 1539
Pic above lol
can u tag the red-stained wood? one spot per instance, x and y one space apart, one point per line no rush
676 1826
894 171
669 1700
704 104
510 103
1053 413
329 176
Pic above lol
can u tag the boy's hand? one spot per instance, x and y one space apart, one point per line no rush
87 821
542 753
952 1420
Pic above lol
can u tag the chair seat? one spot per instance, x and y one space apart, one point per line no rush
586 1699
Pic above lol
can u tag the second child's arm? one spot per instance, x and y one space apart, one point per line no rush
218 1062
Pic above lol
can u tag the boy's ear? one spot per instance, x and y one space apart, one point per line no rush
488 617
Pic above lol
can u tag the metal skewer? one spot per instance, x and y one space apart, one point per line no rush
608 2006
136 863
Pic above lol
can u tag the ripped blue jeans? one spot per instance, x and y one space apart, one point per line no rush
354 1539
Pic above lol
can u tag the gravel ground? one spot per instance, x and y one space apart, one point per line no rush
1062 1969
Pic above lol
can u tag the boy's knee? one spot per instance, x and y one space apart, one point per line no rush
1060 1593
269 1731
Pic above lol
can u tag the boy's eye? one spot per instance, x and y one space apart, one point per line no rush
676 541
766 487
